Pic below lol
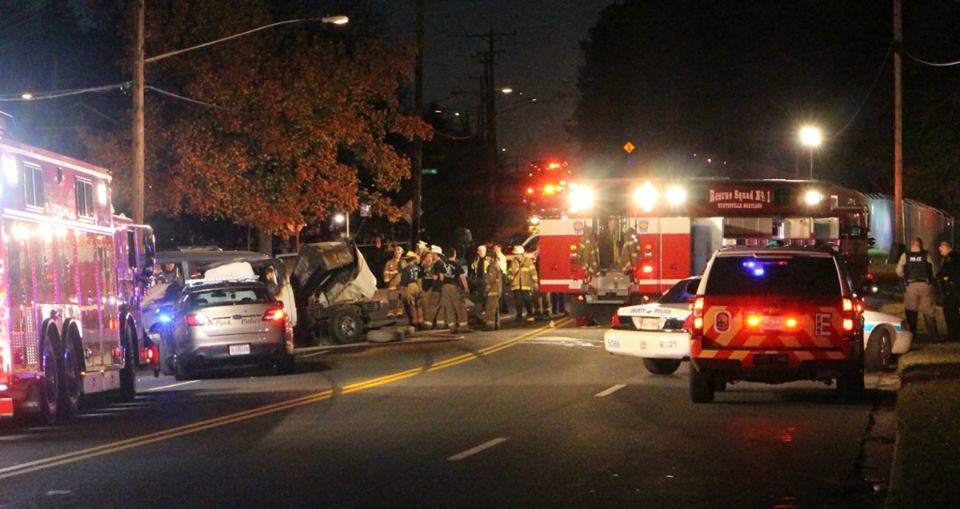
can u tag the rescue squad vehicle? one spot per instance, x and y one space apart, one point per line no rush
675 226
71 278
775 315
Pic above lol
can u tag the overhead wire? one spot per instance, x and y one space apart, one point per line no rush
927 62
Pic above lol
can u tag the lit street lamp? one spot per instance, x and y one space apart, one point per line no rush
811 137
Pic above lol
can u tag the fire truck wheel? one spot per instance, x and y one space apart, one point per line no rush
128 374
661 366
50 384
701 386
70 389
878 355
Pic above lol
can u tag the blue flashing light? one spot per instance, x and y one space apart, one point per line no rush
165 318
758 272
749 264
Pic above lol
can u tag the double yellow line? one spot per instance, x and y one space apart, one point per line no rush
167 434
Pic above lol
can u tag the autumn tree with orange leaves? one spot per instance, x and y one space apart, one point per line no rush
296 124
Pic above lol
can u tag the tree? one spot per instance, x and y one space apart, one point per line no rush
293 124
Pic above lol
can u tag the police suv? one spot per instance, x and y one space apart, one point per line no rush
775 315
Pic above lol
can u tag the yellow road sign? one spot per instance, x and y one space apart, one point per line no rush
628 148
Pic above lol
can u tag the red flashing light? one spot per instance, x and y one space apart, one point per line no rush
698 324
753 321
847 304
529 190
647 269
791 323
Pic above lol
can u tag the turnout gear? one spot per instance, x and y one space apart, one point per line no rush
630 253
493 286
588 255
522 274
412 294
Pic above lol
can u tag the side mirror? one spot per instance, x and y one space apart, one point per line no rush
872 242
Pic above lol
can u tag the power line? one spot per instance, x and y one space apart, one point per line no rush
187 99
873 86
927 62
56 94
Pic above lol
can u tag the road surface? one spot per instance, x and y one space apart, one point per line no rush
520 417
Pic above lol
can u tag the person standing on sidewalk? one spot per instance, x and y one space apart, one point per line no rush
916 268
949 278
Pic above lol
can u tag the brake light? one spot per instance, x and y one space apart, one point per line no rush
616 320
274 314
196 320
847 304
753 321
698 304
847 324
791 323
698 324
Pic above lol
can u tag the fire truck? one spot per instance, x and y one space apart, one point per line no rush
676 226
546 186
71 277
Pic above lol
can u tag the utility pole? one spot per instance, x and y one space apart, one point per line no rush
138 136
488 58
417 143
898 231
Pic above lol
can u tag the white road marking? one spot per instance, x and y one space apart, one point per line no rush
482 447
610 390
171 385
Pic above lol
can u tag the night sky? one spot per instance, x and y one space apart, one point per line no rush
541 60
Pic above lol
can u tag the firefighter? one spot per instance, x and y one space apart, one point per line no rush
493 287
391 277
429 298
542 299
630 253
588 255
916 269
410 286
949 277
522 274
502 262
453 286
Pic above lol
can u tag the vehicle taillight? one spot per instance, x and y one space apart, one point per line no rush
753 320
847 304
791 323
647 269
698 306
847 324
697 313
615 322
279 314
196 320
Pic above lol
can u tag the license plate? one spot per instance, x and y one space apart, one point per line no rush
613 343
650 323
769 359
774 323
239 349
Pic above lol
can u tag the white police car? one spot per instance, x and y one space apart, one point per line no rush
658 332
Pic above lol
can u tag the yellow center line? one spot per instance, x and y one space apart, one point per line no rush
167 434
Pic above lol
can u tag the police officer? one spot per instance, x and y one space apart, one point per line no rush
916 268
410 286
949 279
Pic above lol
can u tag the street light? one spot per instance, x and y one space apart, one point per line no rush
811 136
506 90
336 20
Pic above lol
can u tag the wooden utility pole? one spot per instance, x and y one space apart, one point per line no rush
898 231
138 142
417 143
490 104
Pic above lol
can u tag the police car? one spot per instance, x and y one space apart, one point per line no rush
658 332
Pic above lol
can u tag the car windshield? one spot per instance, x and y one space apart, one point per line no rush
677 294
227 297
791 276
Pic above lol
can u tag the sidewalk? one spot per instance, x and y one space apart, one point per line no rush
926 464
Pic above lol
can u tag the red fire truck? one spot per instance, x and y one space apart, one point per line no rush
546 187
677 226
71 276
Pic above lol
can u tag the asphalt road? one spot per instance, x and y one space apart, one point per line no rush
520 417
